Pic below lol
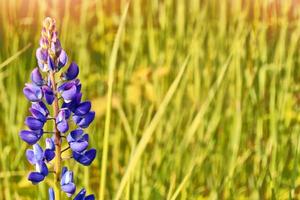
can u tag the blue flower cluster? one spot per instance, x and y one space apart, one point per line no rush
66 98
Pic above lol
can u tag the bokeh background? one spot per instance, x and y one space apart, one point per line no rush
231 129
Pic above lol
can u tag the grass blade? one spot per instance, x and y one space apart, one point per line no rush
150 130
112 66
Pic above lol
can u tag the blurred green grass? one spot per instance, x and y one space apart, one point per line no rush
231 129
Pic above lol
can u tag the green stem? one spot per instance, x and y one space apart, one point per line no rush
57 141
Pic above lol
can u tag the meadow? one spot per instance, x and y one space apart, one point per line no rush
194 99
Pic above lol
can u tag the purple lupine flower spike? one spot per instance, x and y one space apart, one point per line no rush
66 99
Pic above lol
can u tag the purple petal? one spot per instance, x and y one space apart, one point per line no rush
51 63
30 156
50 144
69 189
63 126
40 106
49 155
32 92
33 123
85 158
72 72
36 77
80 195
42 168
35 177
31 137
41 54
90 197
51 194
38 115
83 108
48 93
38 152
62 60
79 146
87 120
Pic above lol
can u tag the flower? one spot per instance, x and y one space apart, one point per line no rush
31 137
66 99
81 195
61 120
32 92
66 182
86 157
37 157
77 140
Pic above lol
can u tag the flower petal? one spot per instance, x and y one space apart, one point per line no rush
80 195
51 194
38 115
83 108
30 156
85 158
36 77
87 120
32 92
62 60
69 189
31 137
72 72
35 177
48 93
33 123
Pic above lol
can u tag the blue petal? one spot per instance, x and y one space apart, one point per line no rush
80 195
90 197
85 158
38 152
69 189
62 60
51 63
36 77
75 135
48 93
42 168
33 123
51 194
49 155
31 137
30 156
86 120
50 144
38 115
41 55
35 177
63 126
79 146
40 106
72 72
83 108
33 93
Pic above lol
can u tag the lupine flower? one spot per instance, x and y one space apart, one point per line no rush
78 140
86 157
43 91
81 195
67 184
32 92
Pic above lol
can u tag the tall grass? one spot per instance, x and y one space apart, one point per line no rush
226 127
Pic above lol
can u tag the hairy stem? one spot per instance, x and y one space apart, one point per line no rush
57 141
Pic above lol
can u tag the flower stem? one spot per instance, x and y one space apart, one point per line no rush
57 141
